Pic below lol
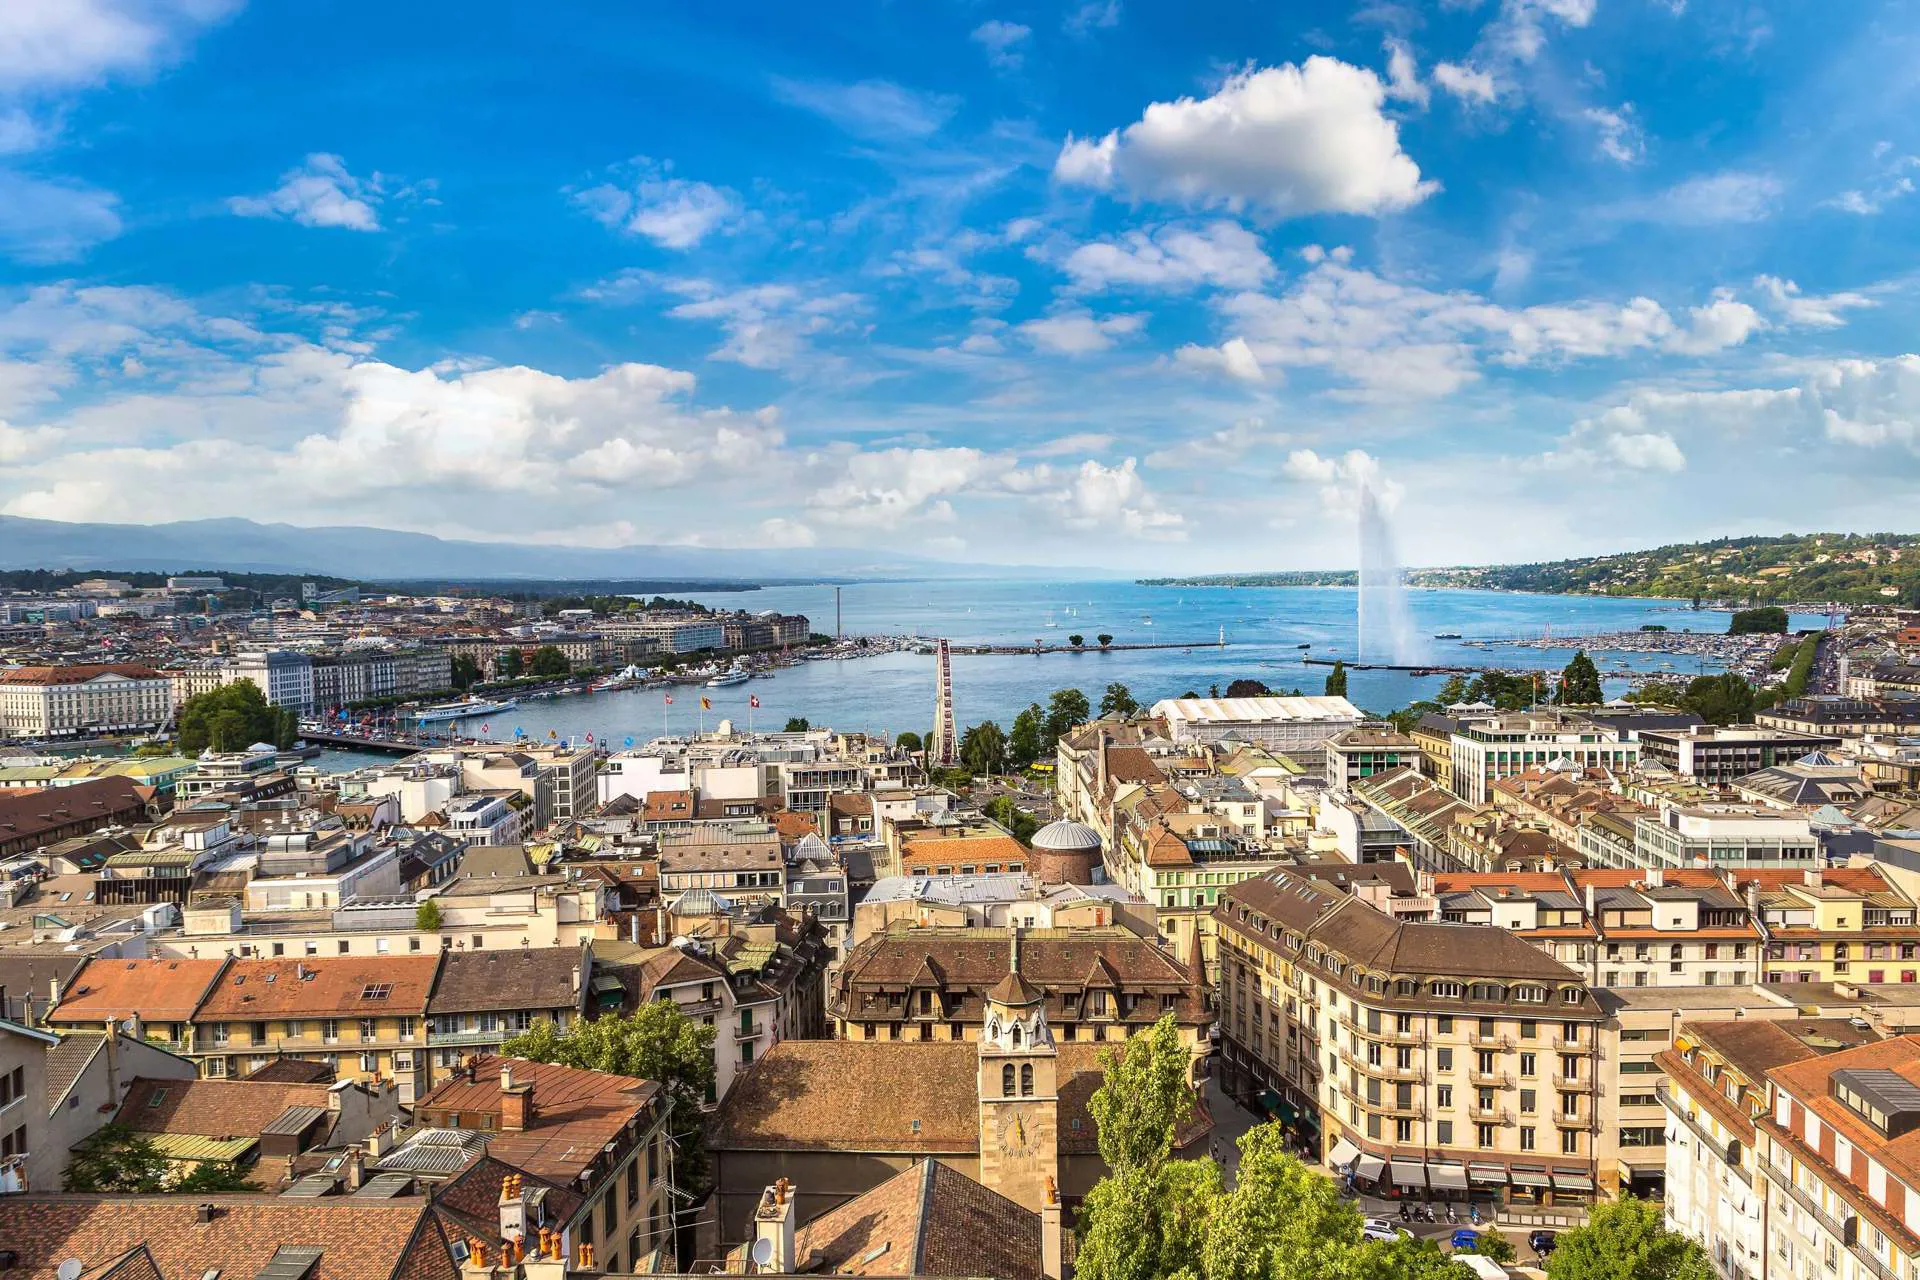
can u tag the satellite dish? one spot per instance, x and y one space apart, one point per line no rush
762 1255
70 1269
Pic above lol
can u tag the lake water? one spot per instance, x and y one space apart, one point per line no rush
1262 627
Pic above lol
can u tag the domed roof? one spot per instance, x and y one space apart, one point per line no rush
1066 836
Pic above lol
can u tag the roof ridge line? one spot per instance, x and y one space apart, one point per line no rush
920 1220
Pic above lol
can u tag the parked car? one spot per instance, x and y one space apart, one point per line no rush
1382 1229
1541 1242
1465 1238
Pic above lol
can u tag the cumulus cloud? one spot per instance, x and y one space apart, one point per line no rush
1231 446
674 213
1075 331
1218 255
1283 141
1233 358
767 326
1097 497
319 192
82 42
1004 42
1403 73
1341 480
1793 307
1466 83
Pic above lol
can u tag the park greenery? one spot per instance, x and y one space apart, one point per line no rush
1764 620
233 718
427 917
1627 1240
1006 811
1118 700
656 1042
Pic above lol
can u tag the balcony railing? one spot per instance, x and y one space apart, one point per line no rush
1491 1079
1689 1118
749 1031
1488 1115
1496 1041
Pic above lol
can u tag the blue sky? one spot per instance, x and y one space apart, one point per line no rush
1143 285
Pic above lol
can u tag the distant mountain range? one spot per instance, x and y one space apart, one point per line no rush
1853 568
366 554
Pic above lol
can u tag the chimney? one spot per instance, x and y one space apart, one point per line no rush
1013 949
516 1101
773 1221
478 1265
1100 768
53 995
1656 877
1811 877
1053 1259
1593 900
356 1167
112 1046
513 1209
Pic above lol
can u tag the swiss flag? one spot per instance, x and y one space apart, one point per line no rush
669 699
753 700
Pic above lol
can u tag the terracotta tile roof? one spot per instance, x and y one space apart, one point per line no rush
358 1239
818 1095
77 673
292 1071
469 1205
158 990
25 814
1132 764
533 978
67 1061
791 825
575 1112
213 1108
929 1220
973 850
667 806
321 986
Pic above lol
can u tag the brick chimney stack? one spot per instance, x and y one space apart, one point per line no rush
516 1101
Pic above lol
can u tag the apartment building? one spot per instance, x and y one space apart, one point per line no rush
74 701
1430 1057
1844 924
345 677
482 999
1368 750
1847 718
742 861
1483 751
1725 835
1715 1092
489 817
285 676
1717 753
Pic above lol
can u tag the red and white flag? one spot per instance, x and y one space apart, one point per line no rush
753 700
669 699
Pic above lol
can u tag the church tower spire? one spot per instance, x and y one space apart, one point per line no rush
1019 1089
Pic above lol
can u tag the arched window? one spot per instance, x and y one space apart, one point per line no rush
1674 952
1006 1081
1016 1035
1026 1079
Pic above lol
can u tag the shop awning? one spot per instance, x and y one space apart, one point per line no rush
1278 1106
1571 1180
1409 1173
1369 1168
1531 1178
1492 1175
1343 1151
1447 1177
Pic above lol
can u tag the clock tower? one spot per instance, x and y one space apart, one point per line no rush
1019 1093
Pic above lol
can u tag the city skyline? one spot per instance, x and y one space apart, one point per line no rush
1169 286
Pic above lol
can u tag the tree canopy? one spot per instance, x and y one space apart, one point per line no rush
983 747
1118 700
466 672
1627 1240
1004 810
1067 708
657 1042
1765 619
1337 680
1580 683
1246 688
548 662
800 724
233 718
906 740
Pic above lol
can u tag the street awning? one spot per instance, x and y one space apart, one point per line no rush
1369 1168
1571 1180
1342 1152
1492 1175
1531 1178
1447 1177
1409 1173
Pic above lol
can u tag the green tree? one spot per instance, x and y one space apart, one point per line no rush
1076 640
117 1160
657 1043
1067 708
549 662
1005 811
1246 688
983 747
1492 1244
466 672
1147 1224
508 664
1627 1240
1337 680
1723 699
1103 639
427 917
798 724
1028 739
230 718
1767 618
1281 1219
1580 683
1118 700
1145 1096
906 741
212 1178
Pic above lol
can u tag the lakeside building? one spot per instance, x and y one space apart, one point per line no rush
1283 724
1427 1056
285 676
85 699
1847 718
1486 750
1718 754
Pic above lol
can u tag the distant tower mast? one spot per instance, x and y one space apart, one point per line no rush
944 749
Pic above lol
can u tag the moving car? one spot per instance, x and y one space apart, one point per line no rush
1382 1229
1541 1242
1465 1238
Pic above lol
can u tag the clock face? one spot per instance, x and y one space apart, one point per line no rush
1013 1133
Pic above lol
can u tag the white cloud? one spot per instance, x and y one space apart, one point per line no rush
1466 83
674 213
1097 498
42 221
1232 446
1342 479
20 132
1520 31
1892 180
879 110
1079 442
1091 16
320 192
1285 141
82 42
1218 255
768 326
1075 331
1004 42
1403 73
1234 358
778 531
1729 196
1720 324
1868 402
1620 139
1816 312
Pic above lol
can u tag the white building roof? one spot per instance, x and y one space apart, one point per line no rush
1256 710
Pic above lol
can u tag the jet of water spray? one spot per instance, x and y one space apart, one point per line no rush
1386 628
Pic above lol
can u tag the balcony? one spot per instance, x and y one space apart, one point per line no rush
1573 1046
451 1039
1495 1041
1846 1232
1490 1079
1562 1120
1413 1110
749 1031
1570 1082
1488 1115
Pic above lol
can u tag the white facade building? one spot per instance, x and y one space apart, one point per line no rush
1283 724
64 702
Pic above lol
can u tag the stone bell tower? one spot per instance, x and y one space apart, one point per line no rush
1019 1091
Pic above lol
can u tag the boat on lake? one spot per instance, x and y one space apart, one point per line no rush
462 710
